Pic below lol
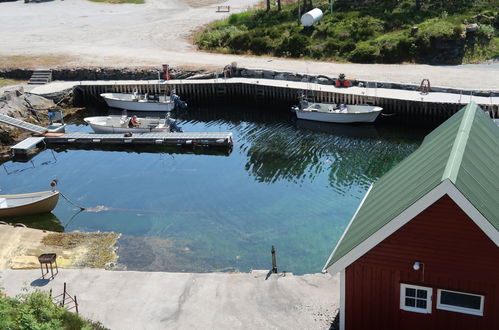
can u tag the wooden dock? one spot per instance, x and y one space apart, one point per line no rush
209 139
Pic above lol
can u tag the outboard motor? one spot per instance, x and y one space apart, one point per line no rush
179 104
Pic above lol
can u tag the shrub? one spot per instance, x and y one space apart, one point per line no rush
37 311
260 45
294 46
364 52
485 31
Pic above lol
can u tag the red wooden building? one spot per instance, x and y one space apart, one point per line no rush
422 250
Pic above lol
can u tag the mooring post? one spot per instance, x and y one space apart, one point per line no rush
274 263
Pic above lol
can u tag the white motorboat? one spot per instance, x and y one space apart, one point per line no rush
121 124
145 102
333 113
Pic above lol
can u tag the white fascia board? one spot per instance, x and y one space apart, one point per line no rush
407 215
346 230
446 187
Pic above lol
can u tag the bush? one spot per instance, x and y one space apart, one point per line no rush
294 46
372 31
485 31
37 311
260 45
363 53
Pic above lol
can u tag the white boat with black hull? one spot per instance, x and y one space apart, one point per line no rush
333 113
143 102
121 124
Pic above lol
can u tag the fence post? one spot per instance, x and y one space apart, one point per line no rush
64 295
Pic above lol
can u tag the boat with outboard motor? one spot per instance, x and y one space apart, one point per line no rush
28 204
122 124
333 113
143 102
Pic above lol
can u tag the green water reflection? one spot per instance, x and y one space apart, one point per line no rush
291 184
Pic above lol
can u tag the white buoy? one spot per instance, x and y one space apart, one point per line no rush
311 17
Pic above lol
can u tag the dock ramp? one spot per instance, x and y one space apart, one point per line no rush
22 124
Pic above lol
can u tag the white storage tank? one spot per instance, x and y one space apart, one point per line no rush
311 17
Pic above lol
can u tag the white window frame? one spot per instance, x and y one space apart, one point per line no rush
429 292
458 309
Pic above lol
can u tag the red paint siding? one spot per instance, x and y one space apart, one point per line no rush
456 254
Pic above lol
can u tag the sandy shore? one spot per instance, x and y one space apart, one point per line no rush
82 33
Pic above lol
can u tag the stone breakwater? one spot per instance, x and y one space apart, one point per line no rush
102 73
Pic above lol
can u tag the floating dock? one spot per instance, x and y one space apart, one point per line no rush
208 139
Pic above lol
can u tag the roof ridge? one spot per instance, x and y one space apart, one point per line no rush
457 152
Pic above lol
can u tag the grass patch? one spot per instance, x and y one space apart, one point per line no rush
37 311
138 2
32 61
372 32
6 82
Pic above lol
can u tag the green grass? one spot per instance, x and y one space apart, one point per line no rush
6 82
380 32
139 2
37 311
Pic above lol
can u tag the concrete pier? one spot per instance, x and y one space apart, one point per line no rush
144 300
405 103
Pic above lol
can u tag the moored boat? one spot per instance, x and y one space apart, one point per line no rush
120 124
28 204
143 102
333 113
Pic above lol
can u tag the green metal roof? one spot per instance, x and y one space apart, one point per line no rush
464 150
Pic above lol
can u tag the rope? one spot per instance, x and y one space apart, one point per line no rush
78 206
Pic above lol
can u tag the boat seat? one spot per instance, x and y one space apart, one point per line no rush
3 203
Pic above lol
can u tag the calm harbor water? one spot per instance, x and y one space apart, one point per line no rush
292 184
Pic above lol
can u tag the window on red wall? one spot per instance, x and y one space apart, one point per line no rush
460 302
415 298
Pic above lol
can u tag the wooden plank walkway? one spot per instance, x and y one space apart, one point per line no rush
219 139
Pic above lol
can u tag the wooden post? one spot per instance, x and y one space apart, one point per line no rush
76 305
64 295
274 262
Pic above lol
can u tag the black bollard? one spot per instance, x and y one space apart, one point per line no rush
274 263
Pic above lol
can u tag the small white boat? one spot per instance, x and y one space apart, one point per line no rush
332 113
145 102
27 204
120 124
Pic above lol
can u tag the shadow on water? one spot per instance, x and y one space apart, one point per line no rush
46 221
140 149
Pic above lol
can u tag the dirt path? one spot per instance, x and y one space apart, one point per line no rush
82 33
